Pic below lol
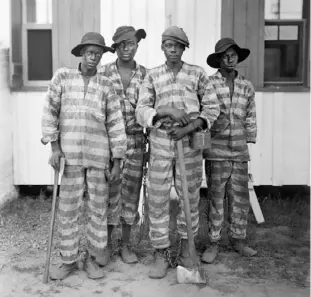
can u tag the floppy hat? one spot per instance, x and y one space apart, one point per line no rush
127 32
91 38
221 46
177 34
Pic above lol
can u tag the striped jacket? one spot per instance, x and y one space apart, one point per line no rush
185 91
236 123
128 97
90 127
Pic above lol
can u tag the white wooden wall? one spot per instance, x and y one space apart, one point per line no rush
280 157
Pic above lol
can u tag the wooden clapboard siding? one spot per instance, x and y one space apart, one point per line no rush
149 15
71 20
243 20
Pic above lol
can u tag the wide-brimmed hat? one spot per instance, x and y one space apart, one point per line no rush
125 33
221 46
91 38
177 34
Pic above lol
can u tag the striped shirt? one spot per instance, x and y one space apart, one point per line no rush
161 88
89 127
128 97
236 123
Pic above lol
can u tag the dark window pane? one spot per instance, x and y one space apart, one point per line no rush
282 61
39 54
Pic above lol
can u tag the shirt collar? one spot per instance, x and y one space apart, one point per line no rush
80 70
220 76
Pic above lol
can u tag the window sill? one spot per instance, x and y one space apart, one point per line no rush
29 89
283 89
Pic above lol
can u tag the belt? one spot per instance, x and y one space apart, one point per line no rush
129 132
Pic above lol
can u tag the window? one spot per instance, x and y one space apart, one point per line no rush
285 54
37 41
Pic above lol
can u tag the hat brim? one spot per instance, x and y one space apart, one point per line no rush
214 61
76 51
140 34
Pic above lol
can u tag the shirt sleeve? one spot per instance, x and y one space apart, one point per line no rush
251 121
115 124
145 111
210 109
51 110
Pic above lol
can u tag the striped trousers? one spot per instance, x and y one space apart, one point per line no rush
163 167
227 178
73 183
124 193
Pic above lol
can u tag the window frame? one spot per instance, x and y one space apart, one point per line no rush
25 27
302 23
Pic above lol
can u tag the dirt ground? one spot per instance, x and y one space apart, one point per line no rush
281 267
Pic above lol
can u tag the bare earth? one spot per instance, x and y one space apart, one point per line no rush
276 271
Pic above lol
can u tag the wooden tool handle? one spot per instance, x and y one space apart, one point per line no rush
184 184
51 231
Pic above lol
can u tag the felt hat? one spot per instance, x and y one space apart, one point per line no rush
91 38
221 46
125 33
177 34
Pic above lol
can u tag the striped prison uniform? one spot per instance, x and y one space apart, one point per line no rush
226 160
124 193
185 91
90 129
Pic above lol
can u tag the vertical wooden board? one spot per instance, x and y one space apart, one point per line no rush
261 44
55 35
64 40
106 27
16 17
121 13
252 26
277 152
155 15
240 13
227 18
306 15
296 140
266 139
91 16
139 21
170 16
76 27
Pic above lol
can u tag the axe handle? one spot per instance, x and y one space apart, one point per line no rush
51 231
184 185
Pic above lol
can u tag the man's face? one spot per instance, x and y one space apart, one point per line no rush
173 51
91 55
126 50
229 59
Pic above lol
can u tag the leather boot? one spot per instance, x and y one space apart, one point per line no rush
105 257
240 247
93 270
159 269
211 253
63 271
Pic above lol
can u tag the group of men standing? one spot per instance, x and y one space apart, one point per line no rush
94 116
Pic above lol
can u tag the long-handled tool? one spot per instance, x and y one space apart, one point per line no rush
51 231
194 275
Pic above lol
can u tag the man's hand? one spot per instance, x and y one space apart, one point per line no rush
55 159
115 171
179 116
177 132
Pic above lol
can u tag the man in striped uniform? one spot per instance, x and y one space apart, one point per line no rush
126 75
82 120
226 160
171 106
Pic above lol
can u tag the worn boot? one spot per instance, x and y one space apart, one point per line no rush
240 247
160 267
93 270
184 258
211 253
127 255
63 271
105 257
